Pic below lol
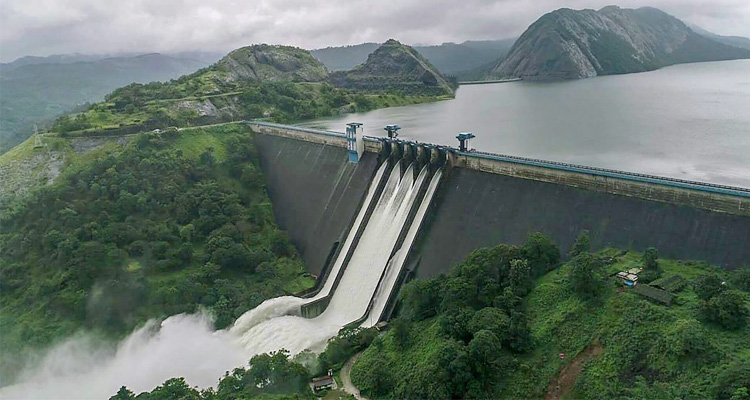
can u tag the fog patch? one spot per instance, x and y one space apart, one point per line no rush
84 367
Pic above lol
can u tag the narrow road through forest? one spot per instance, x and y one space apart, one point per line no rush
346 379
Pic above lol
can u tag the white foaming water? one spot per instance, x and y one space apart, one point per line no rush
81 368
352 233
359 281
370 257
188 346
397 262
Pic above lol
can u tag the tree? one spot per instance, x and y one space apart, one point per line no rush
741 393
378 378
651 270
520 277
275 373
650 259
727 309
486 358
421 298
731 380
708 286
453 359
456 324
741 278
541 253
519 335
581 244
491 319
175 388
401 331
123 394
583 276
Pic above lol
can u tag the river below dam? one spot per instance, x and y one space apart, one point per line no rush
689 121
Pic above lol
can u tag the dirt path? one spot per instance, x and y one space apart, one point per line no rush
346 379
563 383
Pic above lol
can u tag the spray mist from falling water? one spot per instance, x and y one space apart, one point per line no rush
187 345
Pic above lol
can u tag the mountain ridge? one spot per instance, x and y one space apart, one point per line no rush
574 44
449 58
394 66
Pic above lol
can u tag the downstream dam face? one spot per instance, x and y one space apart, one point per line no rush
315 191
485 201
478 209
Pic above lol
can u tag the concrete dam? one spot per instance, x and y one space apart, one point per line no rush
366 212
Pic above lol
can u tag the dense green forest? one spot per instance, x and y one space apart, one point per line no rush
486 331
171 223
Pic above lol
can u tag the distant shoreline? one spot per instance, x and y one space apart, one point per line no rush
491 81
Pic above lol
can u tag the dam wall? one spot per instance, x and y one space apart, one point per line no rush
675 191
477 209
314 190
487 199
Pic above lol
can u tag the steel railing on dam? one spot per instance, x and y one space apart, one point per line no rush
610 173
560 166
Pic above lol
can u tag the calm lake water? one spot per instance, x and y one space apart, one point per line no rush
687 121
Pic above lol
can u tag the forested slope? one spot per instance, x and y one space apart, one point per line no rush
166 224
278 83
488 331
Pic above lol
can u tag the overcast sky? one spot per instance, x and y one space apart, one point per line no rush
43 27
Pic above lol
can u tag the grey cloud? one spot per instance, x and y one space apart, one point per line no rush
42 27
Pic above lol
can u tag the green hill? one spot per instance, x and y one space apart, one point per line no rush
149 227
279 83
480 333
36 90
395 67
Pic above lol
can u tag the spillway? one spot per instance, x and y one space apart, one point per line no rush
336 269
363 273
387 286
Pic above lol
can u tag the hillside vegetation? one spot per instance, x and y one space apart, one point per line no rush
37 90
582 335
279 83
572 44
395 67
162 225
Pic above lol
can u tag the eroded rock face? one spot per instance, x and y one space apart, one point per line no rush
272 63
394 66
570 44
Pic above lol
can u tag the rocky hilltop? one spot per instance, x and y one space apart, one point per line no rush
573 44
264 62
394 67
278 83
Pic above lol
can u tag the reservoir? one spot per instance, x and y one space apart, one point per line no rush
689 121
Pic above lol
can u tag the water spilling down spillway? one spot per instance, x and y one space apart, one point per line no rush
363 274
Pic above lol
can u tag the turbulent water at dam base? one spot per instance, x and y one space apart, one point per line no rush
187 345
